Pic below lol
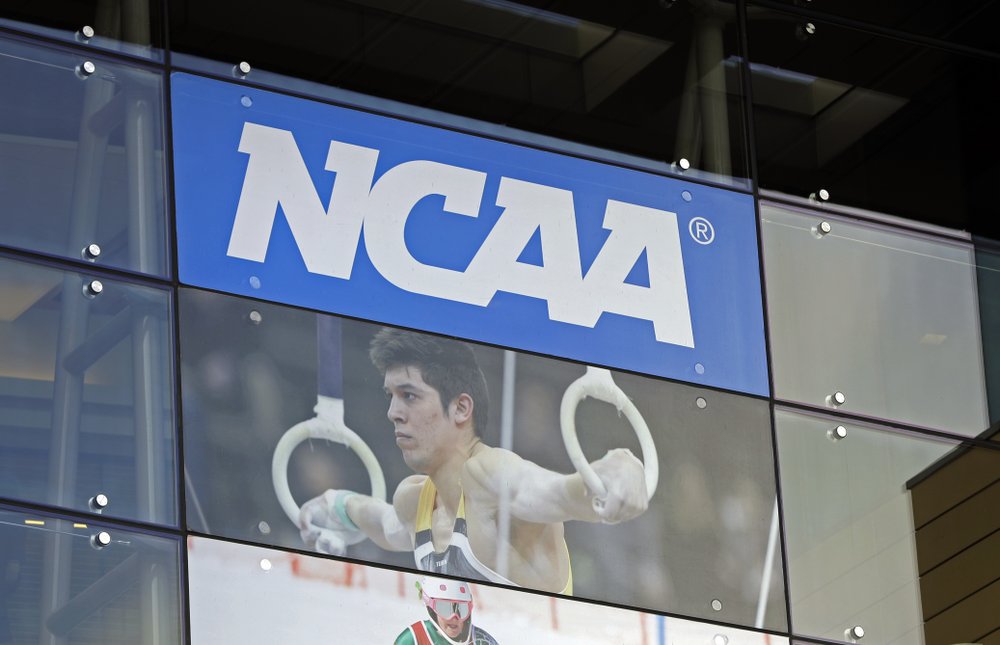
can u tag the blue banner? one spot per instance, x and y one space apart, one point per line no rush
310 204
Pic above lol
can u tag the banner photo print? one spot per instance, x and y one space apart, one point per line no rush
250 595
348 438
304 203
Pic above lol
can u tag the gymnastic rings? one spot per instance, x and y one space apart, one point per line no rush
332 428
598 384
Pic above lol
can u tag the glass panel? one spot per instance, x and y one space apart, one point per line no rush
130 26
60 585
885 317
86 393
236 591
892 532
658 273
658 81
988 279
251 372
81 158
879 123
971 22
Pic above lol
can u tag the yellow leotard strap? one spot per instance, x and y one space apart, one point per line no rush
425 510
568 589
425 505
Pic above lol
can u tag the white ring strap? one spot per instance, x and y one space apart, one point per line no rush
598 384
333 429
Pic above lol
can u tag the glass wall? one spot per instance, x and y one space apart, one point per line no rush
181 459
132 27
251 378
86 393
70 581
884 530
650 83
885 317
964 24
880 123
988 281
82 158
321 593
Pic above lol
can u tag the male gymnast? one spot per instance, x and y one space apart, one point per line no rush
448 513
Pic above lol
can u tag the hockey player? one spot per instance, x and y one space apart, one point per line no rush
449 604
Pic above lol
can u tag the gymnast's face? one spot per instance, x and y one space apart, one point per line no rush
427 434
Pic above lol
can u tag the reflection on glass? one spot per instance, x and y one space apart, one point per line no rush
888 531
236 591
881 124
86 393
129 26
81 158
655 81
971 22
988 281
256 376
66 581
888 319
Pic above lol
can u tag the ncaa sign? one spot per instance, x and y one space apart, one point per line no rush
309 204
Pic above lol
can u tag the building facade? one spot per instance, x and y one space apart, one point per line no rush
755 243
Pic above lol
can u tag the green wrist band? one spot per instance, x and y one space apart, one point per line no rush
340 508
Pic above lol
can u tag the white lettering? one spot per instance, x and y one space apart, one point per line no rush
277 176
635 229
328 238
529 207
389 205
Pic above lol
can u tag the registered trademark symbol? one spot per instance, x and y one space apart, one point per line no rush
701 230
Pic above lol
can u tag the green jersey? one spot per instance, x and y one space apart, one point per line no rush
426 632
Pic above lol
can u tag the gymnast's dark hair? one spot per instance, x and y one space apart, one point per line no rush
449 366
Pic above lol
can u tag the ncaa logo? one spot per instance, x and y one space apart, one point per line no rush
328 231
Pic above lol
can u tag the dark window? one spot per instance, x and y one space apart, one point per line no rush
131 26
965 22
658 80
899 128
82 158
